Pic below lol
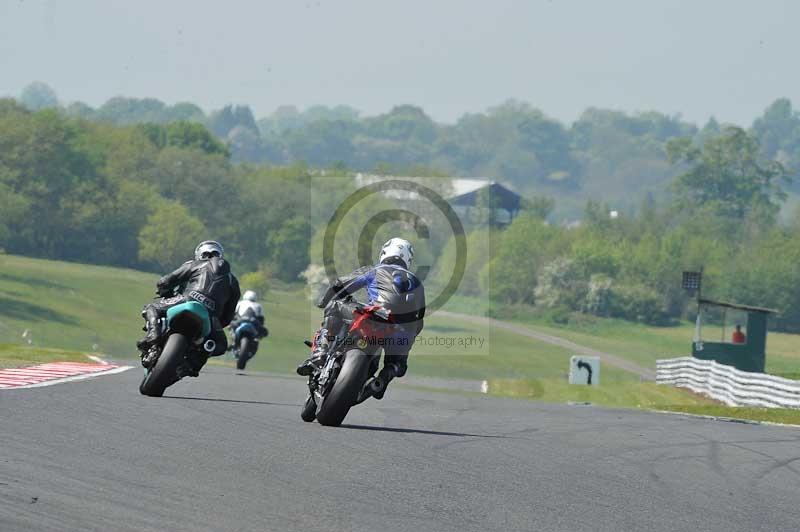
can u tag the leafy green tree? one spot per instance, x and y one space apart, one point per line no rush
284 118
258 202
195 179
184 112
246 145
766 273
322 143
193 135
727 175
287 248
403 122
778 129
170 236
41 159
223 121
538 207
183 134
80 110
13 207
38 95
523 248
122 110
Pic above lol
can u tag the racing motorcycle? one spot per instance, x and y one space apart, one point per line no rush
248 335
347 376
184 341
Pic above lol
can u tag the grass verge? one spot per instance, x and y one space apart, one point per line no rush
614 394
16 356
788 416
644 344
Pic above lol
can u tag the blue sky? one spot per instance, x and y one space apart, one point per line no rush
698 58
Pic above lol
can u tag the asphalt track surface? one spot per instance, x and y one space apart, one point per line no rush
230 453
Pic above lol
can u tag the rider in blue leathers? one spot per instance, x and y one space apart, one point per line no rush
389 284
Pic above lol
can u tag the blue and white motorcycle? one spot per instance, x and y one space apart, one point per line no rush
246 336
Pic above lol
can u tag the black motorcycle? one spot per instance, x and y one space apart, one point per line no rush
184 340
347 376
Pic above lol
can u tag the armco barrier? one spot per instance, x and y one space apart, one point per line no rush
728 384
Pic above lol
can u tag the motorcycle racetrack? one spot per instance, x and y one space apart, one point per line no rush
225 452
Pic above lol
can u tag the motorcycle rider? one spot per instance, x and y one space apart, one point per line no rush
208 280
248 310
389 284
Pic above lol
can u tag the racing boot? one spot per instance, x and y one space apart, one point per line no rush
153 329
385 376
317 358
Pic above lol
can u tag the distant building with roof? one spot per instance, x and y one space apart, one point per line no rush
477 200
483 201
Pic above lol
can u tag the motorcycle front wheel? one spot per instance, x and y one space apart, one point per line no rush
309 411
163 373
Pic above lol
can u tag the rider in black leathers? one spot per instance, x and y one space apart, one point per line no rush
208 280
389 284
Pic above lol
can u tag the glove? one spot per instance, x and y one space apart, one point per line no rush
332 291
163 291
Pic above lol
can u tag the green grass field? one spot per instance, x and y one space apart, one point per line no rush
71 306
14 356
66 309
96 309
646 344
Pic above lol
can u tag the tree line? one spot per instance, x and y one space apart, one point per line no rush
604 155
722 217
141 194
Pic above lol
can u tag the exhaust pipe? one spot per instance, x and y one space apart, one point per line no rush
376 385
210 346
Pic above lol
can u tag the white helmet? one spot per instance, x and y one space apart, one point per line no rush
249 295
208 249
397 248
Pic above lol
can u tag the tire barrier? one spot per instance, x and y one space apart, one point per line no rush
728 384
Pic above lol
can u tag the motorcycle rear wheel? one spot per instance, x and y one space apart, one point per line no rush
244 353
163 375
344 393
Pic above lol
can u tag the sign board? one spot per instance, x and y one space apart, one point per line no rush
692 281
584 370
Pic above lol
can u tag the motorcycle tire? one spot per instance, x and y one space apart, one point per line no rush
309 412
344 393
244 353
163 374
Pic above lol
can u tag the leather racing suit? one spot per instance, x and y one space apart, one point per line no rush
390 286
207 281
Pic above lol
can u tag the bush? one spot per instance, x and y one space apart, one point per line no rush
638 303
258 280
560 285
598 296
316 281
